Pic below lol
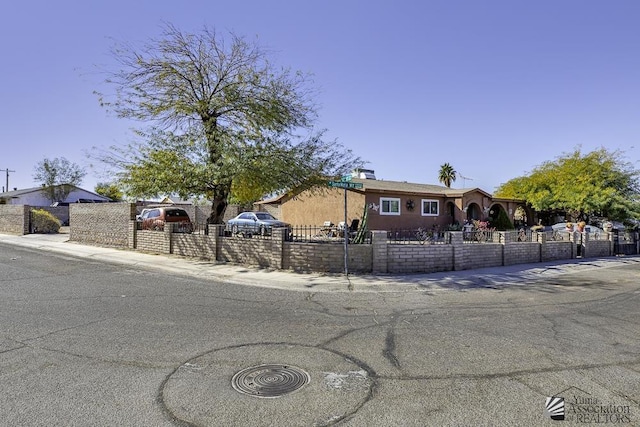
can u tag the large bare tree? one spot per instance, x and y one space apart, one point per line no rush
58 176
224 121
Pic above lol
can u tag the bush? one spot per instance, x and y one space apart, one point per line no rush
502 222
43 222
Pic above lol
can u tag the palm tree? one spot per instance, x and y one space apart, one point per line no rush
447 174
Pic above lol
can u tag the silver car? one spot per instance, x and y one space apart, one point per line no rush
254 223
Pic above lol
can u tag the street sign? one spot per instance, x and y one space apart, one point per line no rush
345 178
342 184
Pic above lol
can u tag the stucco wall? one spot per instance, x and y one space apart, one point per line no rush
313 209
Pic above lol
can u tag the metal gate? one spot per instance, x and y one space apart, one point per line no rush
625 242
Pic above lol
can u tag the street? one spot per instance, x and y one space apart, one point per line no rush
88 343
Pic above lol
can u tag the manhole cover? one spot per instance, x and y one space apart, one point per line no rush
269 380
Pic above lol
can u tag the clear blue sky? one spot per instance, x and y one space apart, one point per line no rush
492 87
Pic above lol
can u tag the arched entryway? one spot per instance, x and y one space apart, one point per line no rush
494 212
474 212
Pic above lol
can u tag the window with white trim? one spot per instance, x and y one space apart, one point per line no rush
389 206
430 207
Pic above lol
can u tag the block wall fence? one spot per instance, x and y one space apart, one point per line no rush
113 225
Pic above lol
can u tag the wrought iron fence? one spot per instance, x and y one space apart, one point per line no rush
524 235
418 236
327 234
479 236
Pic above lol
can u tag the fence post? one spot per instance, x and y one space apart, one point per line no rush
541 238
380 261
582 243
26 219
277 246
167 246
133 234
218 234
457 243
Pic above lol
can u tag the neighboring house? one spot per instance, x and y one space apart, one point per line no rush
37 196
391 205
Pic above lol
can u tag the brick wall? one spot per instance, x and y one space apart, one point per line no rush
481 255
240 250
14 219
326 257
112 224
156 242
102 224
521 253
416 258
552 251
194 245
598 248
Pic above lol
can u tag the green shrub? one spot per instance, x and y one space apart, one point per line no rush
43 222
502 222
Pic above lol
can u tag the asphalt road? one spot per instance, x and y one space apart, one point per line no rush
86 343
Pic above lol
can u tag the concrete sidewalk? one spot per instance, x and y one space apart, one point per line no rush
493 277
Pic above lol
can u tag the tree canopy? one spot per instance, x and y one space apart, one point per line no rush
223 122
57 176
447 174
599 183
110 190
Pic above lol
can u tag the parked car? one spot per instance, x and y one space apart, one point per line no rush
142 214
156 218
254 223
562 226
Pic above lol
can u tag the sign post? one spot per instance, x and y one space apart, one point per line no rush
345 183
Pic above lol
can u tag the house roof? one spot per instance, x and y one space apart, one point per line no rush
396 187
23 191
414 188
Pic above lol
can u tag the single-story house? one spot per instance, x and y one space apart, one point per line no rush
37 196
392 205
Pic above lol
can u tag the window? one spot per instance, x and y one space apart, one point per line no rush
389 206
430 207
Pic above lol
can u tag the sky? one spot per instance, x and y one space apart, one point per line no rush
494 88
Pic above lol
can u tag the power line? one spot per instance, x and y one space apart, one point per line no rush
7 170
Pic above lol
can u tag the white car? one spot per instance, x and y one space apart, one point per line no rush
562 226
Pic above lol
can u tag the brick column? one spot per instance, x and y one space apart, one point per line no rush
167 246
277 246
458 250
541 238
379 263
133 234
26 219
218 234
585 245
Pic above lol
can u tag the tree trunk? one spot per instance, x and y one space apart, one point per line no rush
218 206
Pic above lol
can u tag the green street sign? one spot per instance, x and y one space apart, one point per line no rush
345 178
342 184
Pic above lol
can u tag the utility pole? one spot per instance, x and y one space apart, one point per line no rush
7 170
